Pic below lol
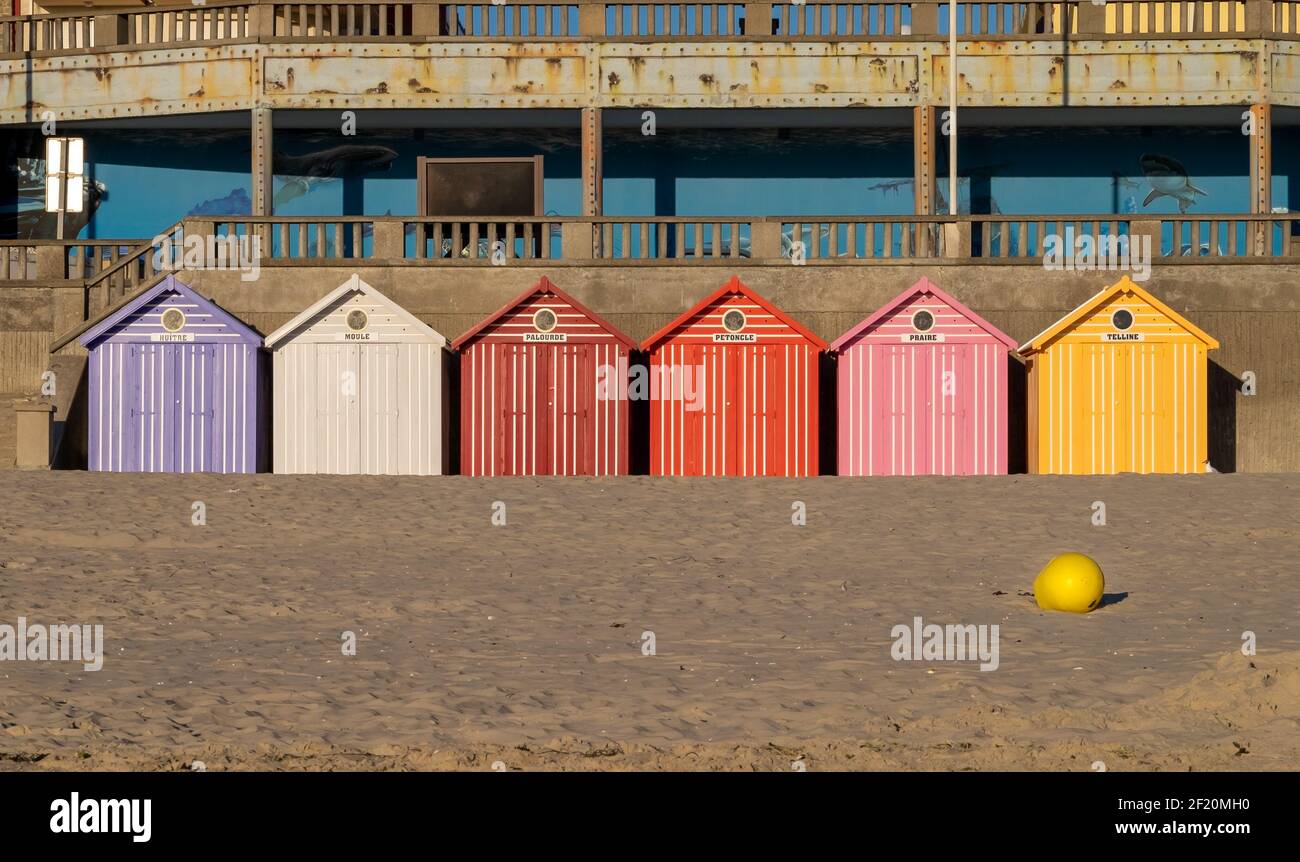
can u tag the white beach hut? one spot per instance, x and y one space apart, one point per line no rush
360 386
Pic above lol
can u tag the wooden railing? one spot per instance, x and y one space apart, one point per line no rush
218 23
112 269
53 260
135 269
291 238
460 239
169 27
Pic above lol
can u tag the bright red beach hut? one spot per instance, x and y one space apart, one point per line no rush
922 389
733 390
543 390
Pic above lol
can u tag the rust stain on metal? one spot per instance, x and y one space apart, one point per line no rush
381 87
613 79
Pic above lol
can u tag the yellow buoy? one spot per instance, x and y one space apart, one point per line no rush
1070 582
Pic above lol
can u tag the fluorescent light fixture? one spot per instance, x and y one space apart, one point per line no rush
65 165
53 188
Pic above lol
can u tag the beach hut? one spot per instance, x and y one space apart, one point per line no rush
1118 385
544 390
175 385
361 386
922 389
733 390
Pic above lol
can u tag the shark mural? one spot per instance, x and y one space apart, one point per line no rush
302 174
1168 178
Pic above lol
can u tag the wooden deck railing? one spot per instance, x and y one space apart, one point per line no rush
221 23
112 269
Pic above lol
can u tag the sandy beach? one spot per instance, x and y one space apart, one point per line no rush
523 643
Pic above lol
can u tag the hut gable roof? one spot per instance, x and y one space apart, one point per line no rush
924 289
1124 289
135 311
408 323
518 313
734 292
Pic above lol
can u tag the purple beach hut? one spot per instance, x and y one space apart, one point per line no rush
176 385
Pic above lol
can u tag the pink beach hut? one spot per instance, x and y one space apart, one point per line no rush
922 389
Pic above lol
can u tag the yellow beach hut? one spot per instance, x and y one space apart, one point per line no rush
1118 386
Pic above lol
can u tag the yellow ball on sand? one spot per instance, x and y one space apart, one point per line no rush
1071 582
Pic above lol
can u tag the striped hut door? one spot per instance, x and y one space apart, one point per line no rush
559 384
337 444
378 409
131 439
733 432
1119 426
896 442
929 399
540 394
686 386
139 443
584 428
522 427
197 419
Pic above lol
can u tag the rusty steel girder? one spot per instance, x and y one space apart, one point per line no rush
679 74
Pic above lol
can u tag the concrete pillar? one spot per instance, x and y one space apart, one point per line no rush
956 239
1149 228
1092 17
389 240
925 19
51 262
263 186
426 20
591 19
34 426
923 158
111 30
765 240
261 21
576 241
1259 18
758 19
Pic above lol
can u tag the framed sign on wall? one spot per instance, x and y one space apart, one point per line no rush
509 186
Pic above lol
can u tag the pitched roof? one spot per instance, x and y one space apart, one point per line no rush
329 300
96 329
923 286
734 286
1041 340
544 286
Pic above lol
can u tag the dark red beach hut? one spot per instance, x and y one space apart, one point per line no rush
544 390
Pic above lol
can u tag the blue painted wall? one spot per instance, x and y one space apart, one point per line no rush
145 181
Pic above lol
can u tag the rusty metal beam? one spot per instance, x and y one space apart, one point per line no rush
262 169
593 175
923 161
1261 159
111 83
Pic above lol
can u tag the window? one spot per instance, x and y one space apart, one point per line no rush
733 320
923 321
544 320
357 320
1122 319
173 320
